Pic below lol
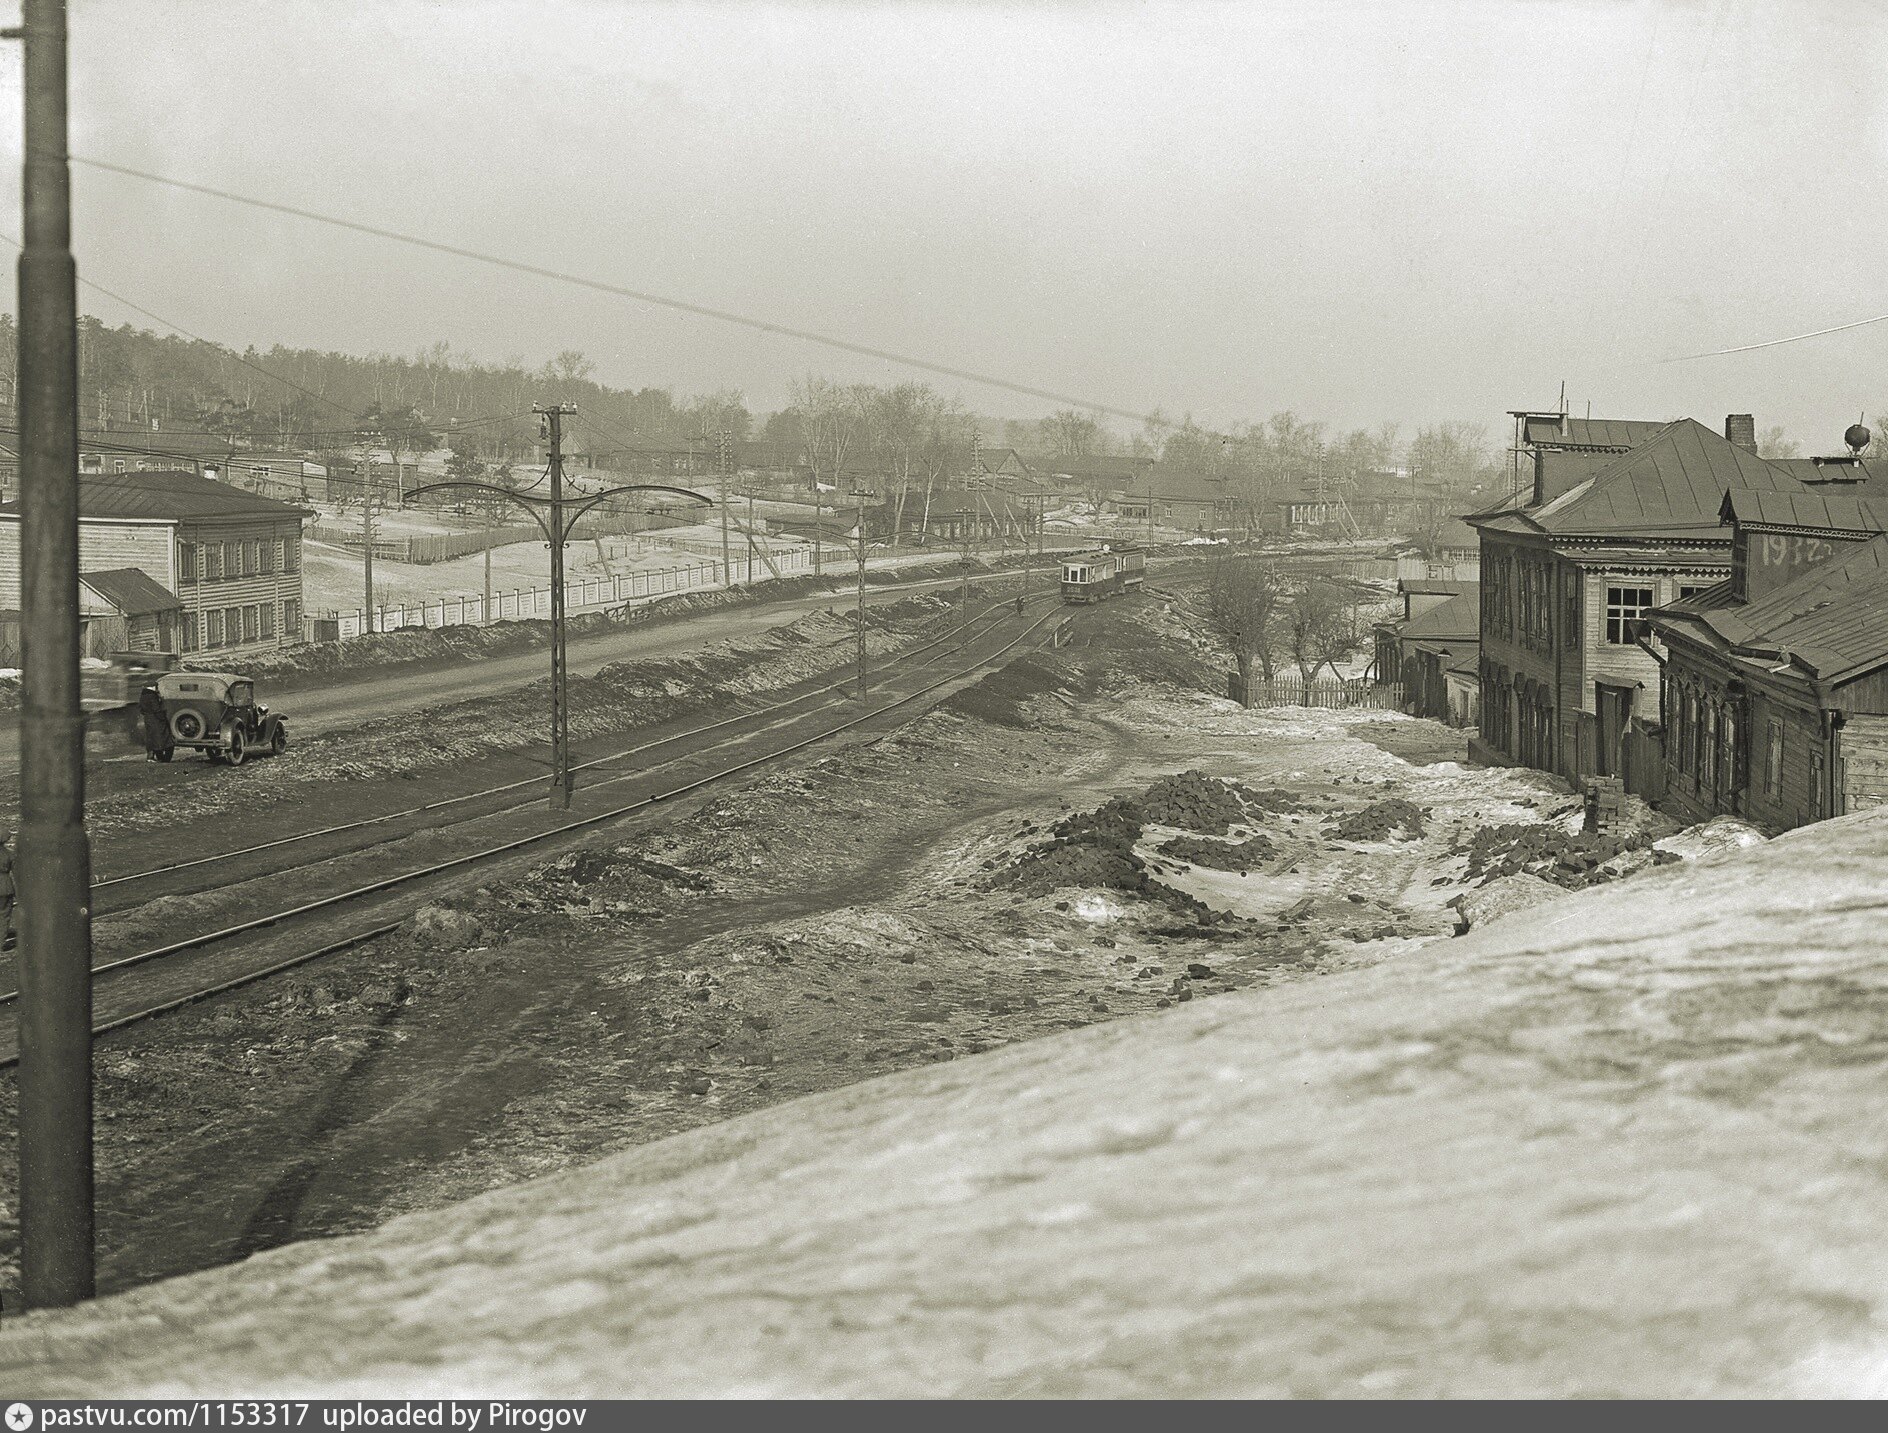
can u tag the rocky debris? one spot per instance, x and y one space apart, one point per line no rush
442 926
1569 859
1379 821
1245 855
1194 801
1504 895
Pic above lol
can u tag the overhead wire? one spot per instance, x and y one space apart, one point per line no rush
637 295
233 356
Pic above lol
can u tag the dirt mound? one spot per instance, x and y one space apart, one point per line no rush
1008 696
1245 855
1096 848
1379 821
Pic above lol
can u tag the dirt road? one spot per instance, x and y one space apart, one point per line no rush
377 695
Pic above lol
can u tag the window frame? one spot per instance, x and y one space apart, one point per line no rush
1619 612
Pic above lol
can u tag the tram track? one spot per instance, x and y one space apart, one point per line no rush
195 990
809 701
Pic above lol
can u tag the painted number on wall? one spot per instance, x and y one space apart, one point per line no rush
1793 550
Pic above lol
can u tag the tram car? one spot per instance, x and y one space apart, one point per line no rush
1095 575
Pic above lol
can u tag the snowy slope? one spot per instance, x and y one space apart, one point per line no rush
1628 1143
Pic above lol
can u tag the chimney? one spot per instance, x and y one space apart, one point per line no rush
1741 429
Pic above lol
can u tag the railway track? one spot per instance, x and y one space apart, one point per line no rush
140 984
217 867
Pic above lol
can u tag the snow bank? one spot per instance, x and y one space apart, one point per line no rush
1625 1144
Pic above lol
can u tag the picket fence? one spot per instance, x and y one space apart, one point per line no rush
1331 693
528 602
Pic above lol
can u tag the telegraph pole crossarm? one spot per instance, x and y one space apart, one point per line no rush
555 517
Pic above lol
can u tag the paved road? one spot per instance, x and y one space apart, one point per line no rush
377 695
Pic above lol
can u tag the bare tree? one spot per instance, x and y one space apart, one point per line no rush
1242 607
1071 434
1319 629
1771 443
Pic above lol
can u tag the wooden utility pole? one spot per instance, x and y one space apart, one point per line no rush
485 612
721 462
367 535
553 420
53 868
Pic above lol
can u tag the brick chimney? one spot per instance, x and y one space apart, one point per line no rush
1741 429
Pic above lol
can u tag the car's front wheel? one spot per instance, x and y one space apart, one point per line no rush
278 741
237 748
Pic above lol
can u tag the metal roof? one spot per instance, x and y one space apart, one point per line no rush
1827 509
1458 619
169 495
1832 620
1670 486
1566 431
132 592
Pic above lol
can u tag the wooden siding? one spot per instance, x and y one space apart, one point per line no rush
1862 763
104 544
258 598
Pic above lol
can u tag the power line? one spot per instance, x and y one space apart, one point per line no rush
638 295
233 356
1776 342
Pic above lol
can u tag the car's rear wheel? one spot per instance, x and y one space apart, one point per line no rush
278 743
236 749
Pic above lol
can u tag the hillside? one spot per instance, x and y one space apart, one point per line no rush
1628 1143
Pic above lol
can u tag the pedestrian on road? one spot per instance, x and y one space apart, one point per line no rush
156 729
6 887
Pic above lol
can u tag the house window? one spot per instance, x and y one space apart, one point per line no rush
1624 607
1571 627
187 562
190 631
292 554
232 626
1692 589
292 620
252 558
1773 759
265 558
213 563
252 624
215 623
265 615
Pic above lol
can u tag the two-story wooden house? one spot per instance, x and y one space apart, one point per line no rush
1567 576
1775 698
233 559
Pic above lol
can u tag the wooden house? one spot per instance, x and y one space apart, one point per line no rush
1775 698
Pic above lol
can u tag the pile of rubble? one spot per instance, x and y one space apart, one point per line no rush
1247 855
1569 859
1379 821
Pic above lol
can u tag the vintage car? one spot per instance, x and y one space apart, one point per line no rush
211 712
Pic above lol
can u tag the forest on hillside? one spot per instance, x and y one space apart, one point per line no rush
132 380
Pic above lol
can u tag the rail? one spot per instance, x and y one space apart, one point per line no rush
489 853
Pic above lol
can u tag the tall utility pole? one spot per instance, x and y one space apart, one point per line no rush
549 514
552 419
367 531
54 866
722 463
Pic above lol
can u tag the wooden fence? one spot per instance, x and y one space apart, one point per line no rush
1326 692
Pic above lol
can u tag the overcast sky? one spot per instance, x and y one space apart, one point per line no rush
1356 211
